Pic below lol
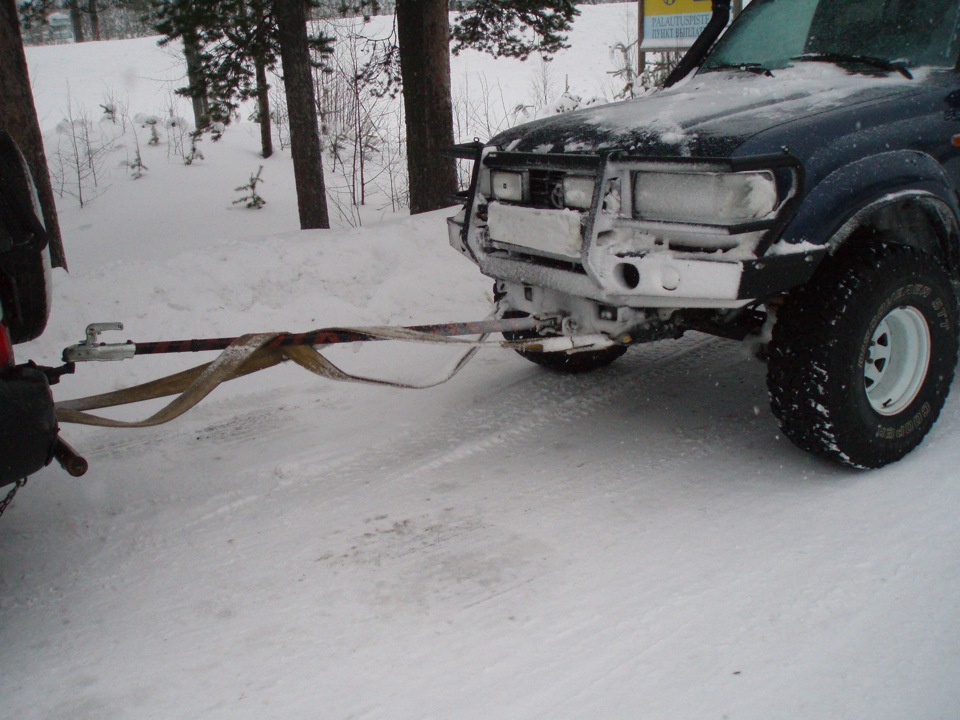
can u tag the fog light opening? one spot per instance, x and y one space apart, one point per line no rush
629 275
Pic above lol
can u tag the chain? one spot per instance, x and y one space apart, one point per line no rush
10 495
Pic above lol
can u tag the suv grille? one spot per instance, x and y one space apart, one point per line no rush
546 189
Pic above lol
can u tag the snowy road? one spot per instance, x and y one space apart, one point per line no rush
633 543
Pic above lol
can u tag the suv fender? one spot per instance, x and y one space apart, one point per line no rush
859 194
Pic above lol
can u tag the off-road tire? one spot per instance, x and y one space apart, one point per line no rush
836 336
24 288
25 264
576 362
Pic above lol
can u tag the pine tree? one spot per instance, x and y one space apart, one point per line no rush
230 45
252 198
302 111
233 44
423 36
238 40
513 28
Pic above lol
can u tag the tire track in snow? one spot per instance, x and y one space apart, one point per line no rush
451 551
560 402
514 413
531 407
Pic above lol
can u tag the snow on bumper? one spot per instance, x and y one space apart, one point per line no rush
694 283
653 280
661 274
554 233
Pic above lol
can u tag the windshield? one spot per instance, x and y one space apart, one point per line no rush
774 33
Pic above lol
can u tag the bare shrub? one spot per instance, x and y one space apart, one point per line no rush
77 162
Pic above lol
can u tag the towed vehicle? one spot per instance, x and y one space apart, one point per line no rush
29 437
794 184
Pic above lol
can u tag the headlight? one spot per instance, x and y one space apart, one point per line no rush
578 192
709 198
507 186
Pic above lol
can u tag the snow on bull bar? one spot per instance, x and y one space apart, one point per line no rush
622 232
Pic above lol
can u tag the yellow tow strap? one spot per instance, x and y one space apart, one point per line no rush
244 356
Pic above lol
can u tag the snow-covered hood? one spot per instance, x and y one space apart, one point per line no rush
711 114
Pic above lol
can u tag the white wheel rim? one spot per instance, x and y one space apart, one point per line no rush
897 361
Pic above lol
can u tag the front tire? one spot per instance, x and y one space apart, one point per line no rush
862 357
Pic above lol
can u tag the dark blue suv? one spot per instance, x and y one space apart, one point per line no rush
794 182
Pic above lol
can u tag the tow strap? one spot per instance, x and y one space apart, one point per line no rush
255 352
246 355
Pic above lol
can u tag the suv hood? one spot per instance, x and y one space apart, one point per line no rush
710 115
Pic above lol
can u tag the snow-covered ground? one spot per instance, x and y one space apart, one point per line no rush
635 543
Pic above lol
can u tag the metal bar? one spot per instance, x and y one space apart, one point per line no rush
641 53
336 336
698 51
463 151
547 161
69 459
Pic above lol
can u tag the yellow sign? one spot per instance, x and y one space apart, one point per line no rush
676 7
673 24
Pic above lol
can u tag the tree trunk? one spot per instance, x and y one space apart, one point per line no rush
76 20
263 107
301 108
423 35
196 84
18 116
94 13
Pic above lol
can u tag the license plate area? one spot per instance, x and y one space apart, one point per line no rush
553 233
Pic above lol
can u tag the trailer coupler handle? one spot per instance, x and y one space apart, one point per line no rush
92 349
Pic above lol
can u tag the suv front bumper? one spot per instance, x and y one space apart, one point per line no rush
660 280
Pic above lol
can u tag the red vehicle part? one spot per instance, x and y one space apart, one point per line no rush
6 347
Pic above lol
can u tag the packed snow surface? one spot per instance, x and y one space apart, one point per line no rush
635 543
